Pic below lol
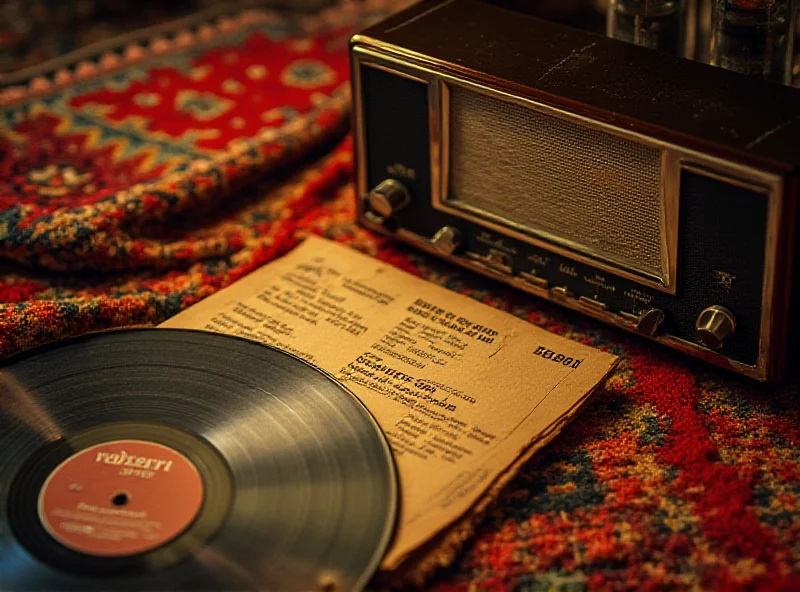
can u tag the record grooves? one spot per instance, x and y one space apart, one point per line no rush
166 459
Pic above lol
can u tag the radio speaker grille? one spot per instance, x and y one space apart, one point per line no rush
579 187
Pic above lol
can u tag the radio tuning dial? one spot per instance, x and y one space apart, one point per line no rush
714 325
447 239
389 197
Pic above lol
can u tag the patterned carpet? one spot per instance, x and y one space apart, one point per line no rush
141 180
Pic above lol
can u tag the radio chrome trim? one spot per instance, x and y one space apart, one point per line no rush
665 282
676 159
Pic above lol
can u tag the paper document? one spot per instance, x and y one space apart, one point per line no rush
459 388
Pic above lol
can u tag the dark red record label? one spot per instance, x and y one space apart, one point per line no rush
120 498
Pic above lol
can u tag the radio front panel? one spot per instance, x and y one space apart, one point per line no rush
634 230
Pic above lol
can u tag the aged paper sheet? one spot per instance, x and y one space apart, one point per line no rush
459 388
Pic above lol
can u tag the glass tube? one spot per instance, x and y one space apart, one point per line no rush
754 37
703 17
657 24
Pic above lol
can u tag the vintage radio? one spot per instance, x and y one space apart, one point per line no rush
646 190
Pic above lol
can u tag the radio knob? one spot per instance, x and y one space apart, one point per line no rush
447 239
649 322
714 325
389 197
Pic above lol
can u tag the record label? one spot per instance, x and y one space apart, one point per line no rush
120 498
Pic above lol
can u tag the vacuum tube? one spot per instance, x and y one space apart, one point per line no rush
754 37
657 24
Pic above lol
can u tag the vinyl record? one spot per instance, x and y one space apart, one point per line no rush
165 459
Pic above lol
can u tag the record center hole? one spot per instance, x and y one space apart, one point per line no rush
120 499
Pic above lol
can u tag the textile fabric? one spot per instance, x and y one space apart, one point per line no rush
146 177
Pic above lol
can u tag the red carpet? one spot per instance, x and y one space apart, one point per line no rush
137 182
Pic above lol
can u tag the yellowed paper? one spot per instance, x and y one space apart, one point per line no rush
459 388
